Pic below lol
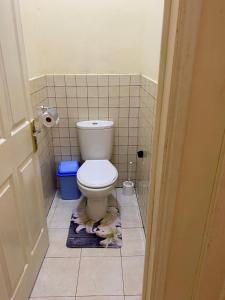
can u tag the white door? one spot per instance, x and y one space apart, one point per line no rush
23 232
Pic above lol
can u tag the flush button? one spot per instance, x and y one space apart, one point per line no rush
95 123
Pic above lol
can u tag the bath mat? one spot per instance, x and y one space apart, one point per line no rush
85 233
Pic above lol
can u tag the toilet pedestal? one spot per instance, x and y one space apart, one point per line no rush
96 208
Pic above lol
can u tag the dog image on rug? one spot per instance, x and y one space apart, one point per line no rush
85 233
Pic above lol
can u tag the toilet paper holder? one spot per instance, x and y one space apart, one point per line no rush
48 116
43 108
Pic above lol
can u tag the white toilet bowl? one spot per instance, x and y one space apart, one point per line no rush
96 180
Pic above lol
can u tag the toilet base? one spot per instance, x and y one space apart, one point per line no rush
97 200
96 208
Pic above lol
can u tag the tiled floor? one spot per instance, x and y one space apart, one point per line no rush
92 274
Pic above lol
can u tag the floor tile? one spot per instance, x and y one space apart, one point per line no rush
101 298
126 200
100 252
100 276
53 298
133 274
132 297
52 209
133 242
61 217
50 216
57 247
68 203
130 217
57 277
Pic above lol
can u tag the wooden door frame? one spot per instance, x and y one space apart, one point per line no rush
179 39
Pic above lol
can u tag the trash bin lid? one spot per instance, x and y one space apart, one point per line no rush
68 168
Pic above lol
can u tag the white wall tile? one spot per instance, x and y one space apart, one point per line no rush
71 91
134 101
103 91
114 80
70 80
82 113
92 91
103 102
92 80
134 91
72 102
89 96
64 132
63 122
51 91
113 101
124 112
114 91
81 80
61 102
124 102
103 80
135 79
103 112
60 91
124 91
133 112
133 122
82 91
92 102
62 112
59 80
123 122
124 79
73 112
50 80
82 102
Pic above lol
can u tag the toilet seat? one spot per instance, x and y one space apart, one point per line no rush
97 174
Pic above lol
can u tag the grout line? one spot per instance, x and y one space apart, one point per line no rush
121 263
78 274
73 297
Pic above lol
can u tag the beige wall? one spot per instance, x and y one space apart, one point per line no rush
152 16
86 36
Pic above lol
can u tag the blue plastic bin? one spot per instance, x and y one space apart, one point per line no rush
67 173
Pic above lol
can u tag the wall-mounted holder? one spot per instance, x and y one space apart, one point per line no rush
48 116
140 154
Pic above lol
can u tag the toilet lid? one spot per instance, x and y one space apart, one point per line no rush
97 173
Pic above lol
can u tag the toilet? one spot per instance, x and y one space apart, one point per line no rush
97 176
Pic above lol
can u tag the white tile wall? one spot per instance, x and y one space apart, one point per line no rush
127 99
110 97
38 96
147 111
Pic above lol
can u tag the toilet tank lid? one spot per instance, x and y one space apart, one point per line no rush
94 124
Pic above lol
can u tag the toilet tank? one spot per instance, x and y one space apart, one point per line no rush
96 139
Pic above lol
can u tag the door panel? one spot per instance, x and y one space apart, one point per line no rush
30 199
10 234
12 62
3 291
23 231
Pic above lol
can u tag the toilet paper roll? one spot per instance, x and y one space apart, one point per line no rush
50 117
